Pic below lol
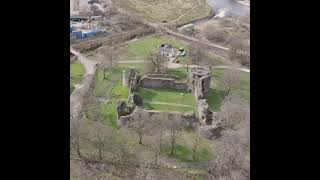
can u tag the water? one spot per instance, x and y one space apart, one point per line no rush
223 8
230 7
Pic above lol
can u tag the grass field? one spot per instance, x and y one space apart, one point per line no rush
140 49
244 89
183 149
167 108
77 72
180 73
214 96
111 88
165 10
169 96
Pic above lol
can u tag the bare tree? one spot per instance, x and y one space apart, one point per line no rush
122 150
156 63
75 125
110 56
239 52
195 145
174 125
214 34
104 66
139 125
230 161
101 142
157 127
196 53
233 111
229 80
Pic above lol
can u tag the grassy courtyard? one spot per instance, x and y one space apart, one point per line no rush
76 75
167 99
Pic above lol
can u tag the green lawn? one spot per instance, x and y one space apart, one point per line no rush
214 99
77 69
184 154
183 148
244 89
103 86
167 95
168 108
181 73
77 72
112 88
140 49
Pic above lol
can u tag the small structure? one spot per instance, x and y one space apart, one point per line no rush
167 50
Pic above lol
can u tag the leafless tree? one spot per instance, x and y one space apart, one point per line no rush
233 111
196 53
110 56
95 11
239 52
101 142
195 145
174 125
122 152
229 80
230 162
157 127
214 34
75 125
156 63
128 21
139 125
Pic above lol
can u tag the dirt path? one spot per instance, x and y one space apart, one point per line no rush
177 65
172 65
89 65
131 62
77 96
187 11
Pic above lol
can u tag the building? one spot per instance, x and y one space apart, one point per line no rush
167 50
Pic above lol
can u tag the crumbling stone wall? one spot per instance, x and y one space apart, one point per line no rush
131 79
199 79
188 119
159 82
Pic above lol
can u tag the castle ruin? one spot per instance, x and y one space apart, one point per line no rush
198 82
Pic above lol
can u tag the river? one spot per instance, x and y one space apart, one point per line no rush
229 7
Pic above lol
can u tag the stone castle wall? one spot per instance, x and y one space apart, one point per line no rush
188 119
159 82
